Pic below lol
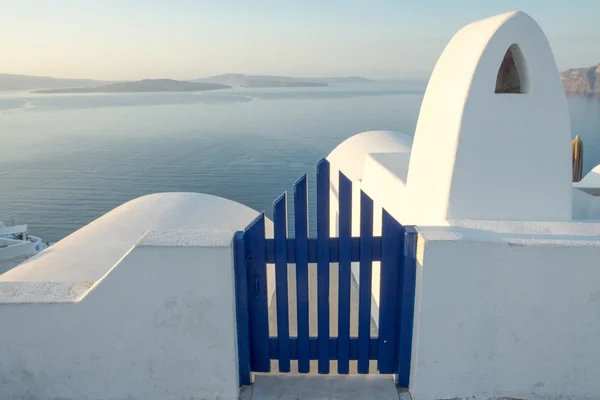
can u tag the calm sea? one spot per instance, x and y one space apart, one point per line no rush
67 159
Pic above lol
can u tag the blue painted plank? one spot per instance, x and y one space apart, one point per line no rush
345 256
274 348
281 280
241 303
333 250
365 276
407 306
391 264
323 265
301 260
258 317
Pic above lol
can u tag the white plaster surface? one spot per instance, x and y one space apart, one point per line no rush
499 317
482 155
187 238
139 304
476 154
68 270
160 326
349 156
89 253
371 160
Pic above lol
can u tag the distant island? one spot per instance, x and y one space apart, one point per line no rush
146 85
47 84
582 80
27 82
266 81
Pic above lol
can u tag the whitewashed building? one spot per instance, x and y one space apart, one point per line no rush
139 304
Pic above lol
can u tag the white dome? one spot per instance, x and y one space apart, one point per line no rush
349 156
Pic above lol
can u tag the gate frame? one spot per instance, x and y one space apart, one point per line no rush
253 251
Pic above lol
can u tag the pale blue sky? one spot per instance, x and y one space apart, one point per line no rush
133 39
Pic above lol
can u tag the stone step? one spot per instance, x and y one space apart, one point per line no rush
320 387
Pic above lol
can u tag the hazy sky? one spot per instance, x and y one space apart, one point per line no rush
133 39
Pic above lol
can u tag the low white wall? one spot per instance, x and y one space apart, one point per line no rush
90 252
139 304
507 314
161 325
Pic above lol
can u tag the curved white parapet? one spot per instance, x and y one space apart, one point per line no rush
350 155
368 159
89 253
138 304
479 154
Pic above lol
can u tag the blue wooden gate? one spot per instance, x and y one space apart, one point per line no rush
395 249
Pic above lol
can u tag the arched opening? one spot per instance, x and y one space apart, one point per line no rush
512 76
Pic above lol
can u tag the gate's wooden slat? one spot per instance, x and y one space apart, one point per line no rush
365 277
241 297
333 250
301 260
345 256
323 265
258 313
281 280
407 306
333 346
390 279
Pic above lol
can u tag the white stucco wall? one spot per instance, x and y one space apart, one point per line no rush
160 326
476 154
89 253
482 155
590 182
507 310
371 160
139 304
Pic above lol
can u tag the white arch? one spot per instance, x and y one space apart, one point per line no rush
482 155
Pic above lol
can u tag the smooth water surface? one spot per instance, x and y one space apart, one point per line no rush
67 159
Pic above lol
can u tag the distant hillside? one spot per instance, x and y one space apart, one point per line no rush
25 82
264 83
146 85
277 81
582 80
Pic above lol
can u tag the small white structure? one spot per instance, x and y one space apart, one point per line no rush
481 153
17 246
591 182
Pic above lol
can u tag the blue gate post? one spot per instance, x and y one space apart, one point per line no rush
241 303
258 303
392 254
407 307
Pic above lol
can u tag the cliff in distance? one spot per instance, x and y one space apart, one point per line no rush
145 85
582 80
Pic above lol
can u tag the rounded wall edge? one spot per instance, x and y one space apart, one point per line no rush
349 156
90 252
440 118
